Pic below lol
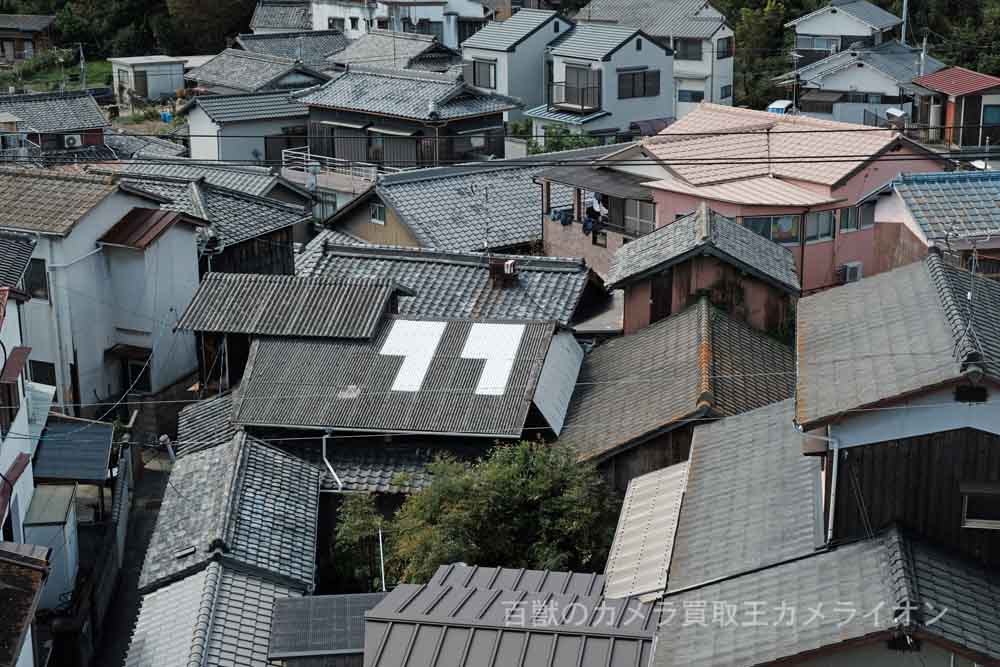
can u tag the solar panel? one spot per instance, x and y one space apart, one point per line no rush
320 625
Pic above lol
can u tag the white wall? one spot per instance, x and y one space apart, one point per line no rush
708 75
323 10
526 69
15 443
237 141
833 23
162 79
204 135
861 79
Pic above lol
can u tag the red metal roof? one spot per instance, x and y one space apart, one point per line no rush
16 360
957 81
141 226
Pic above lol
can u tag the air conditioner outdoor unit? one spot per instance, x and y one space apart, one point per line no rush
851 272
72 141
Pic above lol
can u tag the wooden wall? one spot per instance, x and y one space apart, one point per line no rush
916 482
393 232
665 450
272 254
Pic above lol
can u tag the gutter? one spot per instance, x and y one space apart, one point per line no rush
336 478
833 481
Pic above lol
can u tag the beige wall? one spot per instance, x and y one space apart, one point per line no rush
570 241
393 232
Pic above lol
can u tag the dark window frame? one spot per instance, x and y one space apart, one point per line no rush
490 67
726 91
36 279
764 225
641 83
727 52
987 505
831 221
41 372
137 376
685 48
694 96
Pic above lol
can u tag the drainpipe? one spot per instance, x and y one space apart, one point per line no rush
833 478
326 461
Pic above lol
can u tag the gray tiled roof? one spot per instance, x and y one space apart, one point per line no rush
396 50
23 569
270 305
310 46
442 627
15 252
886 574
26 22
519 579
890 335
253 106
55 112
422 96
242 502
242 70
659 18
751 498
902 63
322 625
217 617
506 35
644 539
359 389
704 232
457 284
49 202
381 469
591 41
205 424
700 362
244 178
132 146
961 203
234 216
282 15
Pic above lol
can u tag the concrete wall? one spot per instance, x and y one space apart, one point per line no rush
570 241
162 79
204 135
238 141
707 75
833 23
15 443
323 10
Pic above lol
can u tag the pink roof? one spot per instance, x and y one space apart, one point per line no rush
957 81
759 191
751 151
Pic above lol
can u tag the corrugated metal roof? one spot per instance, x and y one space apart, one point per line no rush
704 232
957 81
140 227
451 284
701 361
660 18
456 377
15 253
321 625
406 94
644 540
758 191
506 35
251 106
442 627
592 41
601 179
74 450
519 579
270 305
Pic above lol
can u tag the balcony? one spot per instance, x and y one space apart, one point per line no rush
573 98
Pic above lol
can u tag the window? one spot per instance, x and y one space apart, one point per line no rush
812 42
36 280
484 74
726 91
848 219
638 45
137 376
42 372
599 238
10 403
778 228
377 212
335 24
867 215
555 26
640 217
583 87
724 48
354 23
382 24
376 147
687 49
690 95
644 83
819 225
980 505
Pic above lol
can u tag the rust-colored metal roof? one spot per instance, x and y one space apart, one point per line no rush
17 358
957 81
141 226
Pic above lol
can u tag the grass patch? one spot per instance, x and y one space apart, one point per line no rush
53 75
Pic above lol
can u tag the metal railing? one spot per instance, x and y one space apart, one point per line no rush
299 159
28 149
581 99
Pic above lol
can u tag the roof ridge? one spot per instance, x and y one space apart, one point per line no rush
198 203
450 256
285 34
706 355
206 615
412 36
22 172
966 349
229 513
240 194
256 55
901 574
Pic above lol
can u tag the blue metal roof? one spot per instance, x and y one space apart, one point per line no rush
74 449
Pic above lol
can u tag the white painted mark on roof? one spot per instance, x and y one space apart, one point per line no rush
498 345
417 343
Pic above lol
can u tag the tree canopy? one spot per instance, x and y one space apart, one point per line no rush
528 505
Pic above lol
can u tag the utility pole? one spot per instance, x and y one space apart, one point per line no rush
83 69
902 35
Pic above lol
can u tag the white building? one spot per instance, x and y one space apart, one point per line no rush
841 25
147 77
245 128
509 56
702 42
108 278
451 21
606 81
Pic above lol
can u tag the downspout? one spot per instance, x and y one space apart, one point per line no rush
336 478
833 477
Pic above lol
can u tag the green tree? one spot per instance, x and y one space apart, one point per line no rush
206 25
558 138
529 505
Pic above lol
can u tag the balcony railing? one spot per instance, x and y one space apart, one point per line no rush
299 159
578 99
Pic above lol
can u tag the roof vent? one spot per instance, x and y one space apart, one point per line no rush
185 552
503 272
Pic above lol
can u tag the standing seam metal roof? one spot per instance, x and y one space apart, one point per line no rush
660 18
592 41
268 305
506 35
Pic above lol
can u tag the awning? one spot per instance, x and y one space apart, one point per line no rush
76 450
388 130
821 96
16 360
604 181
